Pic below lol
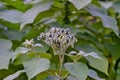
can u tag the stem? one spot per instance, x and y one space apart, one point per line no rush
77 58
61 58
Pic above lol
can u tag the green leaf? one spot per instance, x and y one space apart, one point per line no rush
98 63
19 59
95 2
36 66
94 75
85 46
106 4
13 76
42 75
108 22
71 78
31 14
79 4
78 69
19 56
5 45
118 72
45 55
116 6
13 16
18 4
5 57
5 54
114 48
14 35
52 72
92 54
22 50
10 25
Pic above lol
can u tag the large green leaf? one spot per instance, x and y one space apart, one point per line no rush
13 16
36 66
96 62
5 54
79 4
108 22
78 69
31 14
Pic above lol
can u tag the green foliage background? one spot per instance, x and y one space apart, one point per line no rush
95 24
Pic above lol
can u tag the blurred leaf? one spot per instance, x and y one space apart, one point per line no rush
71 78
10 25
41 17
85 46
108 22
2 5
30 15
116 6
13 16
5 57
114 47
35 66
90 39
96 2
52 78
18 4
13 76
78 69
94 75
79 4
5 72
106 4
5 45
5 54
98 63
13 35
33 32
22 76
118 72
